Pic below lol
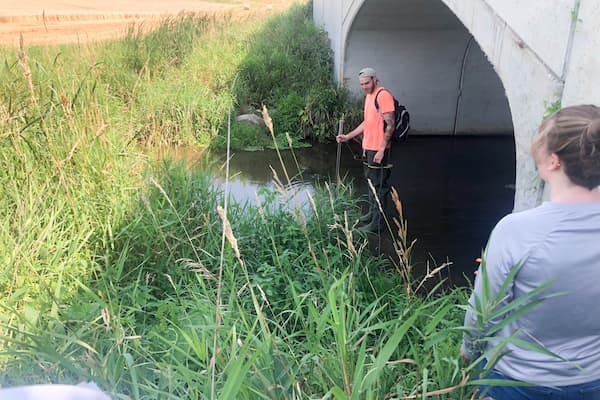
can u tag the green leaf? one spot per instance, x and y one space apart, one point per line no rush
338 393
498 382
358 371
438 316
527 345
133 373
512 317
384 355
508 281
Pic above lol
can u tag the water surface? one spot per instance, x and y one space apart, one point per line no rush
453 189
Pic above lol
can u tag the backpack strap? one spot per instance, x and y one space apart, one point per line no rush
377 103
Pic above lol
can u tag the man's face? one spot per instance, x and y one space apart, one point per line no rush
367 83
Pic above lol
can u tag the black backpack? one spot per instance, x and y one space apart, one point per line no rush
401 122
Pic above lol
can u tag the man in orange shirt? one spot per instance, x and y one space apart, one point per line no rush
376 130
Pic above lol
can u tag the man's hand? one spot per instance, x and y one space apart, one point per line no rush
378 156
341 138
465 358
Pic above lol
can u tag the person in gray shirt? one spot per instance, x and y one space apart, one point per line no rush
557 242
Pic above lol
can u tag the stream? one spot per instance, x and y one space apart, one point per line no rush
453 190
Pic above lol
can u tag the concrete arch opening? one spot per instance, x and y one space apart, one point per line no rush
435 66
425 55
545 57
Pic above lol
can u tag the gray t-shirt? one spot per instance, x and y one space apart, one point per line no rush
555 241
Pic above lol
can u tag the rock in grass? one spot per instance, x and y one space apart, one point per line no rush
251 119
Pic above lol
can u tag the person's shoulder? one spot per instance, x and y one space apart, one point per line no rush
385 99
539 216
515 233
383 91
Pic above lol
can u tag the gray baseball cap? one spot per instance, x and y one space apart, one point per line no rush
368 71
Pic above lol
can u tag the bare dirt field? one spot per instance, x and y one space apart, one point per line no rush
47 22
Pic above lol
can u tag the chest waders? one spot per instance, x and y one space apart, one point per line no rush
378 175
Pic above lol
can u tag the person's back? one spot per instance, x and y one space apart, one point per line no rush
558 242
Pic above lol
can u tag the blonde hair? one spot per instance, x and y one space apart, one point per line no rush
573 134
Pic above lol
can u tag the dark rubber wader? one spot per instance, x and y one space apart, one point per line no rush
379 174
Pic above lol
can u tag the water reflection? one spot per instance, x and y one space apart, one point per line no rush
295 196
253 175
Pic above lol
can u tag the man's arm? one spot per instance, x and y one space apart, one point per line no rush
352 134
389 119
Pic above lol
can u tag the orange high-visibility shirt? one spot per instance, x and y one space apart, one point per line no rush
373 127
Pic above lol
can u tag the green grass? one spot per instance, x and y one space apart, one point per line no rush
288 67
302 314
114 266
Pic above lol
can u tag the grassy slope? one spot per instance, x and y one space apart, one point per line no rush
113 265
